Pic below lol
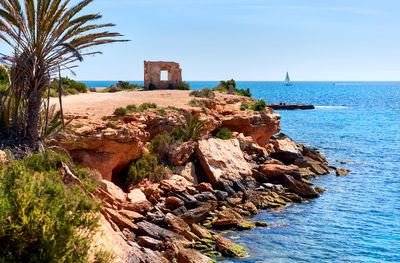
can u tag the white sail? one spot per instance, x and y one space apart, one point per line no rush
288 82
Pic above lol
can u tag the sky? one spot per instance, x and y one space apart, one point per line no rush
251 40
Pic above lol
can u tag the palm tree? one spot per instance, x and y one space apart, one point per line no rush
46 36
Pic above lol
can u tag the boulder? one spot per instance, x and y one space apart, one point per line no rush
201 231
188 172
176 223
131 215
140 207
299 187
136 195
148 229
119 219
173 202
228 248
180 153
149 242
144 255
114 191
192 256
197 214
260 127
283 143
203 187
222 160
274 172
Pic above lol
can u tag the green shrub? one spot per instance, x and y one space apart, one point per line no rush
131 108
183 86
145 106
112 125
125 85
104 118
224 87
259 105
224 134
146 167
120 111
70 87
204 93
245 106
193 103
41 219
160 145
161 111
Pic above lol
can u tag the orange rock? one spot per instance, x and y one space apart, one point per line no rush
203 187
180 153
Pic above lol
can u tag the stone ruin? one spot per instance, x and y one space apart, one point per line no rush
152 74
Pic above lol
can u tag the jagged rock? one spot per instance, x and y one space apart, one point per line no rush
156 217
225 223
192 256
285 157
177 224
299 187
274 172
119 219
342 172
283 143
234 201
205 196
136 195
228 248
140 207
249 206
114 191
258 126
197 214
149 242
179 211
131 215
203 187
144 255
222 160
128 234
221 195
188 172
189 200
173 202
201 231
180 153
313 154
148 229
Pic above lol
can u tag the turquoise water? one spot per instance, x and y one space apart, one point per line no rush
358 218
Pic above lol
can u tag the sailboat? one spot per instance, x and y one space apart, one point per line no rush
288 82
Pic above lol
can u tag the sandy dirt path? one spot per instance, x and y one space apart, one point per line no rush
100 104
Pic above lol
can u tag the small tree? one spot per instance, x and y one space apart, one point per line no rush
47 36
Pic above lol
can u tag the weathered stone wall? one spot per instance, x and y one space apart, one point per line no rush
152 74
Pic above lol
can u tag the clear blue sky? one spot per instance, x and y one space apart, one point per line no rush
252 39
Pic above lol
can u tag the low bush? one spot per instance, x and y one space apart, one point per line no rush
131 108
259 105
120 111
146 167
125 85
224 134
204 93
145 106
224 87
183 86
152 87
160 146
70 87
41 219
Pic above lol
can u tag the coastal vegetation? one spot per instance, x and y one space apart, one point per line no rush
145 167
258 105
45 38
224 134
190 129
69 87
41 218
203 93
122 86
224 87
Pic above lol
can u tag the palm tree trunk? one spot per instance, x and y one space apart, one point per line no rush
32 129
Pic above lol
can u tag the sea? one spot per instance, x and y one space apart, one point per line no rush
356 125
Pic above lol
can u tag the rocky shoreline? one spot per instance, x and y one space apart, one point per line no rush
214 185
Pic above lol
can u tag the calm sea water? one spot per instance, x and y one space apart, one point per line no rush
358 218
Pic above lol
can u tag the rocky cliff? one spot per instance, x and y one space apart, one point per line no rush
215 185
